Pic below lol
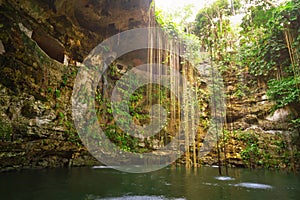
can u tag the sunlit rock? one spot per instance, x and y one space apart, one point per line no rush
282 115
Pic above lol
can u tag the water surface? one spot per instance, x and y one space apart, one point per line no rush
169 183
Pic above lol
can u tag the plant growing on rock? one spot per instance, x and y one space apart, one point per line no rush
5 131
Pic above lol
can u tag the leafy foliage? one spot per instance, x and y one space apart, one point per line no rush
216 33
167 23
175 24
284 91
5 131
270 49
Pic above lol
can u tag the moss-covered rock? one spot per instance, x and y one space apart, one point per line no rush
5 131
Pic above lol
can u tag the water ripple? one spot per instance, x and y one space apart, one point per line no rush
253 185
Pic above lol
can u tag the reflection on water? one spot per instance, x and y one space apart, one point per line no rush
254 185
169 183
134 198
224 178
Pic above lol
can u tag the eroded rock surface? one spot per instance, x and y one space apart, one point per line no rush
41 45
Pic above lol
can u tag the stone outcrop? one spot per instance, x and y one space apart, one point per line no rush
41 46
256 136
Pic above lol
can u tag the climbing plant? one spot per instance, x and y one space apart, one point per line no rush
216 34
270 49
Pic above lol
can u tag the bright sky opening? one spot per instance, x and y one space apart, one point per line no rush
169 5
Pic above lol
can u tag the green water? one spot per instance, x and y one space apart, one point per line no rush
168 183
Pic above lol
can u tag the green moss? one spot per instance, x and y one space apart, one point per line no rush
5 131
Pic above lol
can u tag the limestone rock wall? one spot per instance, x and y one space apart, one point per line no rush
42 45
255 135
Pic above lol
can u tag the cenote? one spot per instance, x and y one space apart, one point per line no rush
168 183
86 83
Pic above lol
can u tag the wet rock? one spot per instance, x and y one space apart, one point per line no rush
83 159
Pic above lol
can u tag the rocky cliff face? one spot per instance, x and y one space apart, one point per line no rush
255 135
41 44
